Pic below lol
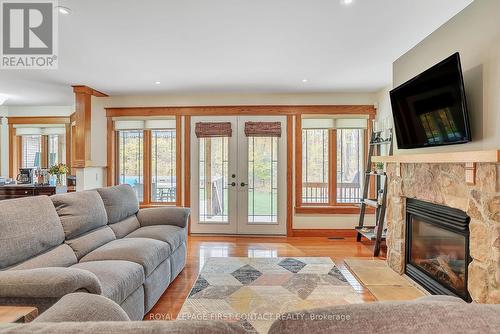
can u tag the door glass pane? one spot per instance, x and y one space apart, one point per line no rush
31 151
262 180
163 166
130 157
213 170
315 166
349 165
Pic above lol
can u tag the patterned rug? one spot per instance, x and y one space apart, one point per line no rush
254 291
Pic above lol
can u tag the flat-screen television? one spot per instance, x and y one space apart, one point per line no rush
431 109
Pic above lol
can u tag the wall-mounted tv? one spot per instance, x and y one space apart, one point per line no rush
431 109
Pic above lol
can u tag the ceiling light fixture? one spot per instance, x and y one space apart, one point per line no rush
63 10
157 82
347 2
304 80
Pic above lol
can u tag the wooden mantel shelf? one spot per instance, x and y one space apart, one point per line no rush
492 156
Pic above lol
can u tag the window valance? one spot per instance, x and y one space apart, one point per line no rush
213 129
263 129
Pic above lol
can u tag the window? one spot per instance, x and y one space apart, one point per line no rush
56 149
42 151
130 160
315 166
31 151
214 179
331 154
349 165
262 180
147 159
163 165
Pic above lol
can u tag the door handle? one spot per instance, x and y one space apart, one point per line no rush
232 184
243 184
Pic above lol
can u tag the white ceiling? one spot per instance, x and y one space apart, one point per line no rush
122 47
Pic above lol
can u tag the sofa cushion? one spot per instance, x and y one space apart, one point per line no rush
126 226
28 227
60 256
80 212
147 252
83 307
87 242
120 202
172 235
118 278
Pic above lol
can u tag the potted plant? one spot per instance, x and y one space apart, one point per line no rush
58 170
379 168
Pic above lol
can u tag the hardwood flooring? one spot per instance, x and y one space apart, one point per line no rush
202 247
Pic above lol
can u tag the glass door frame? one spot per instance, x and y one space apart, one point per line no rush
238 195
213 227
244 227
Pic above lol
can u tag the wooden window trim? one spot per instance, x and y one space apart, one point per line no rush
332 207
113 163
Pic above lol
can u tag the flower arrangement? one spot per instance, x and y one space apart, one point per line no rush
58 170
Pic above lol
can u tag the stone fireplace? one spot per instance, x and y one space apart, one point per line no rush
444 184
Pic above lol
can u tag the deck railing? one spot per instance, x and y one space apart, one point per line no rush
317 192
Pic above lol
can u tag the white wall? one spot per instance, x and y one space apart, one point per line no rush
383 103
34 111
89 178
475 33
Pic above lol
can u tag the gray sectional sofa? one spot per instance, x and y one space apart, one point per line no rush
433 314
96 241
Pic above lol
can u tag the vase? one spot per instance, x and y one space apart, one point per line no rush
58 181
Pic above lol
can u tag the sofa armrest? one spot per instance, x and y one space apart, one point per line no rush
78 307
164 216
47 282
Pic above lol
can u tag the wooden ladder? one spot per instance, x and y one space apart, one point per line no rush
376 232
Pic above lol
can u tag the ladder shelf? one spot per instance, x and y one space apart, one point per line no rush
374 233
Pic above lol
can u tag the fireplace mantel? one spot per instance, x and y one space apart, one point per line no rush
491 156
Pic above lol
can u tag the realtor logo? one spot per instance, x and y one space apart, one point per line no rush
29 31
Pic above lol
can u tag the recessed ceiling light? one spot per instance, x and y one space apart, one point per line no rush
63 10
304 80
346 2
157 82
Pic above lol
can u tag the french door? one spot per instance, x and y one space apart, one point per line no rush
238 183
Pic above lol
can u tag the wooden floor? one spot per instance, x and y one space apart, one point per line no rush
202 247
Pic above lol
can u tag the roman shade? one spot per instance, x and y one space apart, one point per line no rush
215 129
33 130
334 123
263 129
144 124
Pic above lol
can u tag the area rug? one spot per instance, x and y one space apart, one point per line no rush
255 291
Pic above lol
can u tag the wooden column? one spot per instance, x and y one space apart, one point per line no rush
111 152
13 152
82 138
44 144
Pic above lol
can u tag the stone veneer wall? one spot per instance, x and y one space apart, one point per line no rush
445 184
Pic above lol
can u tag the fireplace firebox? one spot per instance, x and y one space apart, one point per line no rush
437 248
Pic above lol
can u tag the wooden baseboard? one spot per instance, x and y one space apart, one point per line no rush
327 233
